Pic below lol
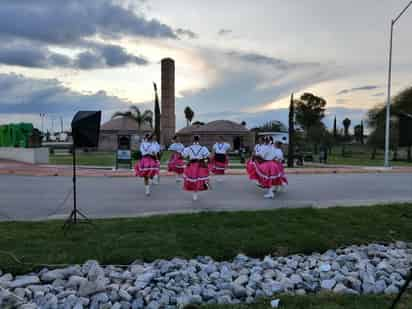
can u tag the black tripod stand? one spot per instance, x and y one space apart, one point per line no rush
75 214
402 290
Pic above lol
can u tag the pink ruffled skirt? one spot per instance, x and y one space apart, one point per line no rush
147 167
196 177
176 164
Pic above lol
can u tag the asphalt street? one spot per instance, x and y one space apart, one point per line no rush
36 198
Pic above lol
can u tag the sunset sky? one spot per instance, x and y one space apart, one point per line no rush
235 59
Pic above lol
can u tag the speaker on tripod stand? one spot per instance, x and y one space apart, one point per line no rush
85 133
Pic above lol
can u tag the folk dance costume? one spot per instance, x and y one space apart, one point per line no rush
176 163
148 166
250 164
156 178
282 181
220 160
264 169
196 173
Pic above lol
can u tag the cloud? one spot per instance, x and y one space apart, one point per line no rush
23 99
224 32
281 114
22 95
114 56
32 56
186 33
30 29
249 82
97 56
363 88
341 101
63 22
379 94
256 58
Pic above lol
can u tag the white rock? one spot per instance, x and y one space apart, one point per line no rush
275 303
241 280
392 289
328 284
24 281
91 287
325 267
124 295
296 279
52 275
75 281
29 306
144 279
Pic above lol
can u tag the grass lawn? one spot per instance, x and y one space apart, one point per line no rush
327 301
84 158
363 160
93 158
104 159
220 235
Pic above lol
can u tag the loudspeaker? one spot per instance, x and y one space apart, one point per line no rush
405 130
86 128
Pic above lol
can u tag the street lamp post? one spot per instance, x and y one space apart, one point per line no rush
388 103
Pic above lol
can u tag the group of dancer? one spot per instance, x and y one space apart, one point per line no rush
194 164
266 166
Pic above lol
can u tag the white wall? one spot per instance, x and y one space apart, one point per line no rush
27 155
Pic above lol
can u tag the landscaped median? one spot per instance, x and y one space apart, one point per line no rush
278 255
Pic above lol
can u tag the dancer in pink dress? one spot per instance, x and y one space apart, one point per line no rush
148 167
256 155
279 158
196 173
220 160
156 178
176 163
264 168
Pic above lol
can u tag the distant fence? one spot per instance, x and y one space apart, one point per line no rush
15 135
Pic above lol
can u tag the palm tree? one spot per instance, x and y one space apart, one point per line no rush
189 115
156 113
135 114
346 124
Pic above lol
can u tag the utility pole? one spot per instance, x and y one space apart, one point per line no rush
388 102
291 145
42 116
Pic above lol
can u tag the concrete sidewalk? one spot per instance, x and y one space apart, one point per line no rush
25 169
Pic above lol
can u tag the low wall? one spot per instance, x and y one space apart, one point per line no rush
27 155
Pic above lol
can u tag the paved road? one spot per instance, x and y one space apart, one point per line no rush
33 198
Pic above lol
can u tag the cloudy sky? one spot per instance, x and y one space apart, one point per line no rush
234 59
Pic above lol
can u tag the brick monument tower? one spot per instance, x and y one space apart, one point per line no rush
168 116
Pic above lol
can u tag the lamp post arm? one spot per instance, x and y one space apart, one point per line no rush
403 12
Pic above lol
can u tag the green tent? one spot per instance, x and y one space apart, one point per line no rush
15 135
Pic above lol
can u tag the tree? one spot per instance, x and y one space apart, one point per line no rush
335 129
198 123
271 126
346 124
310 110
291 132
156 113
316 134
189 115
401 103
362 132
135 114
357 130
